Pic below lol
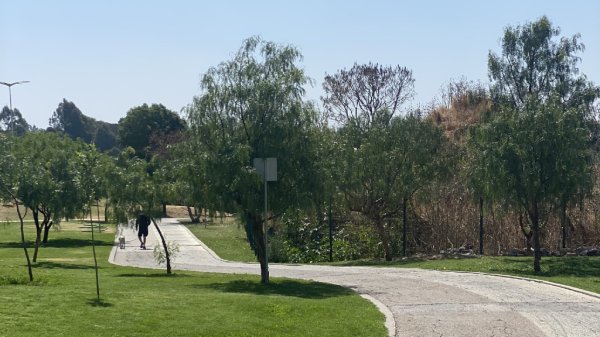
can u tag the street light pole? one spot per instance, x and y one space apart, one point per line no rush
9 85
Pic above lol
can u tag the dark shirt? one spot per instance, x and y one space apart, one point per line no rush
143 221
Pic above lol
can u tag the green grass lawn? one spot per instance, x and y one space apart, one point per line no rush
142 302
227 239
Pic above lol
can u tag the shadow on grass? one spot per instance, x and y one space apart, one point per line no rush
99 303
154 275
58 265
18 281
289 288
58 243
15 245
75 243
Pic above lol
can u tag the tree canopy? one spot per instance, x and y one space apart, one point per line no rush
69 119
13 121
536 150
251 107
143 123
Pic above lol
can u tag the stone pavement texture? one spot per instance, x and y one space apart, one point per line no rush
416 302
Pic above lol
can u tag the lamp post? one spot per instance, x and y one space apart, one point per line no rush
9 91
9 85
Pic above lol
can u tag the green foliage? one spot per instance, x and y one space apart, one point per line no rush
159 252
385 165
251 107
535 156
69 119
13 122
536 69
144 123
45 177
535 152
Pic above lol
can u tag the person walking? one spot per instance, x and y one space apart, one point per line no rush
142 223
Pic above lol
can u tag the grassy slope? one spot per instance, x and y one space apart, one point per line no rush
228 240
140 302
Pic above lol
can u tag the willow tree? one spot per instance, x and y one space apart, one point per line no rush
535 151
252 107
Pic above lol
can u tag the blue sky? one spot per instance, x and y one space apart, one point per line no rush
109 56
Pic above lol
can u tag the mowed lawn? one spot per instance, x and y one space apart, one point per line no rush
141 302
227 239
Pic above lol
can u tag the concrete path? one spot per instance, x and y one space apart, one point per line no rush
416 302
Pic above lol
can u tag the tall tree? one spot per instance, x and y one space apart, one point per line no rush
106 136
536 149
144 122
535 68
47 181
367 94
90 187
251 107
8 185
13 121
388 166
385 158
70 120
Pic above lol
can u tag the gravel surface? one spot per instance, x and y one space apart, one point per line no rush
416 302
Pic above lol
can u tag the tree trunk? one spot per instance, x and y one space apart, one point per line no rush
47 226
94 249
193 216
23 243
164 208
106 211
480 225
385 241
404 228
38 234
254 230
535 224
563 224
165 247
330 222
528 235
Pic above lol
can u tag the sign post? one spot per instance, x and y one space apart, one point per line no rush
267 168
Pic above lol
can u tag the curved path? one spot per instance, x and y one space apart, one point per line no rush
416 302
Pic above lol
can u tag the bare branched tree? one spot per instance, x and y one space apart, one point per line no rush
367 94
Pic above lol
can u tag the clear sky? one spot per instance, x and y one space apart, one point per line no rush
109 56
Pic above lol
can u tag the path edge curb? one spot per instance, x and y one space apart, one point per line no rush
390 322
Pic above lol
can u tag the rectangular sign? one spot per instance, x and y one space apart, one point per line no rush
266 168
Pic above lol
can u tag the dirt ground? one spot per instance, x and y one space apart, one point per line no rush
180 212
9 213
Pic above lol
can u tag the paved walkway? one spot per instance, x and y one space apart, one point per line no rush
416 302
